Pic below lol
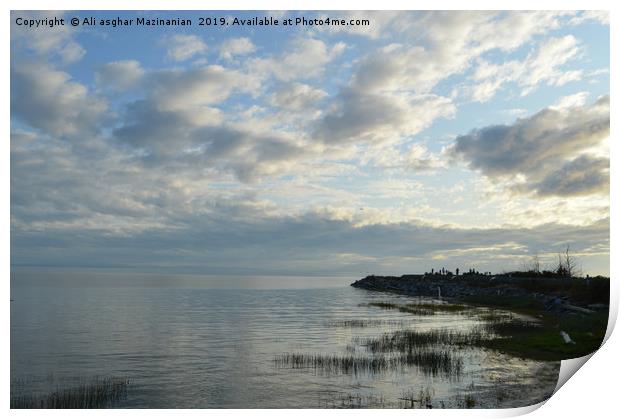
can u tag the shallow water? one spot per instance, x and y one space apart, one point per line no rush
198 342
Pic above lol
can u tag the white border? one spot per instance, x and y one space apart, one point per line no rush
591 393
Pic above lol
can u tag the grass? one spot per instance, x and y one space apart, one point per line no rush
384 305
422 309
431 363
544 342
411 340
470 401
538 340
358 323
97 394
422 399
353 401
523 305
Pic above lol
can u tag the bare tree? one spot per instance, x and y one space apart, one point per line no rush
535 266
567 264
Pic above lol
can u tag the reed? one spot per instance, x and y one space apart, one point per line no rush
431 362
411 340
97 394
359 323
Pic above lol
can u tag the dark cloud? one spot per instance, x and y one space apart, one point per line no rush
171 138
358 116
583 176
235 240
549 149
49 100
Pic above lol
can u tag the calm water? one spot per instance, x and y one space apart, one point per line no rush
190 342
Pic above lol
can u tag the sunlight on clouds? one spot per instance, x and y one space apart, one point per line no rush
183 47
316 149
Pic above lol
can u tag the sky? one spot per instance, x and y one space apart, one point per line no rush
423 140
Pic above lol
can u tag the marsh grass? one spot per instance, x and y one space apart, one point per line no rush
383 305
417 400
470 401
359 323
509 328
423 309
412 340
354 401
95 394
435 362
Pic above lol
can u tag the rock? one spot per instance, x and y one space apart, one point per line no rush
566 338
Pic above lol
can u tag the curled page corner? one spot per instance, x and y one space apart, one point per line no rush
568 368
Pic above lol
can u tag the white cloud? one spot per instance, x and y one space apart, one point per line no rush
120 75
570 101
296 97
47 41
600 16
183 89
299 160
306 58
236 46
540 66
183 47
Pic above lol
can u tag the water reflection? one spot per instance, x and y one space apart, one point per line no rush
201 345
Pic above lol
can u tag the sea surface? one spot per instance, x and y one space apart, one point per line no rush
212 342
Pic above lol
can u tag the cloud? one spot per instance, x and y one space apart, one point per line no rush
547 150
241 239
181 139
358 116
236 46
540 66
306 158
54 41
120 75
182 89
296 97
49 100
183 47
574 100
584 175
305 58
420 159
600 16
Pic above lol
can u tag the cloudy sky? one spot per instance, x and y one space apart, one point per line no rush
426 139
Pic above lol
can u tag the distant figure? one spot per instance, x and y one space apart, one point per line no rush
457 271
439 292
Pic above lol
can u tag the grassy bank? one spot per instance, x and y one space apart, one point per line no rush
538 339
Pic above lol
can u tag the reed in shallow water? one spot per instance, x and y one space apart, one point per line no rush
431 362
97 394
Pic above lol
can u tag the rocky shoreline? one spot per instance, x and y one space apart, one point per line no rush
462 287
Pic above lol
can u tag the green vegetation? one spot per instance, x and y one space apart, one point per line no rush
545 343
537 339
470 401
